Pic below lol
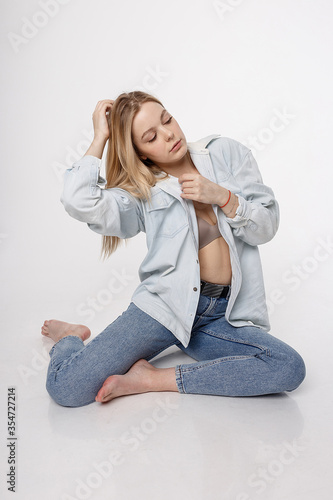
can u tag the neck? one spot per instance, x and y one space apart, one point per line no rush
184 166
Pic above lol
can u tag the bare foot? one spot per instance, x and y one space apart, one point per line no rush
56 330
141 377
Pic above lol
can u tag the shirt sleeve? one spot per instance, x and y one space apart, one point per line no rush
257 216
111 212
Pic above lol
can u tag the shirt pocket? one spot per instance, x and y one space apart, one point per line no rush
165 216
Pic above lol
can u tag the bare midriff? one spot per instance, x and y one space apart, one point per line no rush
214 258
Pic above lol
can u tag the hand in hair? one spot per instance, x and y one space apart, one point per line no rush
101 128
100 119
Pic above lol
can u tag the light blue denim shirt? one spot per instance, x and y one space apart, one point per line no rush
169 286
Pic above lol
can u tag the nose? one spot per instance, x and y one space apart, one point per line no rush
168 134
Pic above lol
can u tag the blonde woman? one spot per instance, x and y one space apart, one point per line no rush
204 209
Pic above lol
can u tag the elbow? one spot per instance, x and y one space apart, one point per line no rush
265 235
69 205
258 235
267 232
65 202
68 199
264 228
77 209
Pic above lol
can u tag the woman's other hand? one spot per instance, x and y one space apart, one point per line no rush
101 118
198 188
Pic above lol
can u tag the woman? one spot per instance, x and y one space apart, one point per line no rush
205 210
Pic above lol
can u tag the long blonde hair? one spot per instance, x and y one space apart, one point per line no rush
124 168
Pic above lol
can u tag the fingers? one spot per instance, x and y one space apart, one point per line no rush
188 177
190 187
103 106
105 103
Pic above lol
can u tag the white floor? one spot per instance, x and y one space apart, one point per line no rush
168 445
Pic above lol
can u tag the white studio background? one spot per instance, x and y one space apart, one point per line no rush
253 70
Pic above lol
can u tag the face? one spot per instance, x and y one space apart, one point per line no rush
155 132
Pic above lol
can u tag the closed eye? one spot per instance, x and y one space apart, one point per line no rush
167 122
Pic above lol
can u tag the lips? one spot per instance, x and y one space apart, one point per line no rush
175 144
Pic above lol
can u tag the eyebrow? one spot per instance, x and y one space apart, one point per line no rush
152 128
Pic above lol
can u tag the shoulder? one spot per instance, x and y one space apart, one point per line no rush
230 149
216 145
200 146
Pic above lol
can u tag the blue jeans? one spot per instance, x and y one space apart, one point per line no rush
230 361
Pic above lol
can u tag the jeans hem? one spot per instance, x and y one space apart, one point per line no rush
53 347
179 380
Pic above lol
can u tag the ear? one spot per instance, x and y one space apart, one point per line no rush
143 157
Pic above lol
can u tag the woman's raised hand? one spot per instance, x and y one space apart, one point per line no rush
101 119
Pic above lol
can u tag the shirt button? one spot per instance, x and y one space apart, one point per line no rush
195 289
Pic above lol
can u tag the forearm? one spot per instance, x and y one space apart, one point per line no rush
254 222
97 146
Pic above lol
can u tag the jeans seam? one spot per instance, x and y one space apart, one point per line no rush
215 361
205 311
155 353
210 305
266 350
63 363
179 379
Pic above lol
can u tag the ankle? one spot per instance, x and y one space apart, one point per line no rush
162 379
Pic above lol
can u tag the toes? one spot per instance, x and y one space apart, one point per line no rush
106 398
108 390
101 393
99 398
102 396
44 331
106 382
